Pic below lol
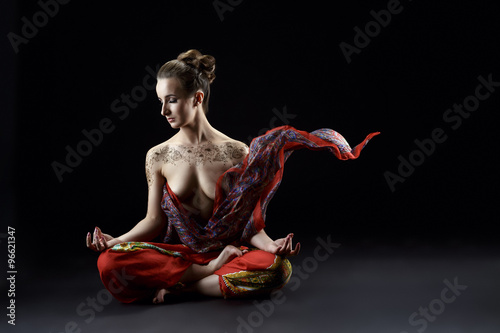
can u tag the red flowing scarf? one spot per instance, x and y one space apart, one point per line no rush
244 191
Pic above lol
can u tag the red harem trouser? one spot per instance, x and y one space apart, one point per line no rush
134 271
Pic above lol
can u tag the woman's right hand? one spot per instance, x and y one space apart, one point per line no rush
99 241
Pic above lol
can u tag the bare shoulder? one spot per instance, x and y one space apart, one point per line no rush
234 149
223 139
153 168
239 145
242 148
157 153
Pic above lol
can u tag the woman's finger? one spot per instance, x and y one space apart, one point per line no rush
98 239
90 242
101 240
87 239
296 250
287 248
288 245
98 236
284 248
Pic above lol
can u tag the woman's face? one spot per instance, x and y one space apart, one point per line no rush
176 106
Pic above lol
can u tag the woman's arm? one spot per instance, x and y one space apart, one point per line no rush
281 246
149 227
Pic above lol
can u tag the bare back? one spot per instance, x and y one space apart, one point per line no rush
192 171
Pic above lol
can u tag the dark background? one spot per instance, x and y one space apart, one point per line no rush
269 55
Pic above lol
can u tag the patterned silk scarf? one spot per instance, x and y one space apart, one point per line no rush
244 191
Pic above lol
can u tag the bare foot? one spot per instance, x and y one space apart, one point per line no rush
159 296
225 256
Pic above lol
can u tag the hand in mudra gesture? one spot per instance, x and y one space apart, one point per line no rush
99 241
283 247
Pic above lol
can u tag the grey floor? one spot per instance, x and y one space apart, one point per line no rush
353 289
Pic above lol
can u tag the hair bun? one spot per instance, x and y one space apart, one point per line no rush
204 63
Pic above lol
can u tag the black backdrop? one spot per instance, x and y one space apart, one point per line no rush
273 58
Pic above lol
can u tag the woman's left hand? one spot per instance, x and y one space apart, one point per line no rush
283 247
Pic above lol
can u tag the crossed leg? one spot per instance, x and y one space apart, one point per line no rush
201 279
132 275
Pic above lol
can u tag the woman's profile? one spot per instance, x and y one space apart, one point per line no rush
207 198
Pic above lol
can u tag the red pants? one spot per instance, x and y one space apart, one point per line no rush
136 274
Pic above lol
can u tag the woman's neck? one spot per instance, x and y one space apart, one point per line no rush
198 132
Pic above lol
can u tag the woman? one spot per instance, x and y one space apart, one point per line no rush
206 192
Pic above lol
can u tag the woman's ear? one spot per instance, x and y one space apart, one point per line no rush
198 97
